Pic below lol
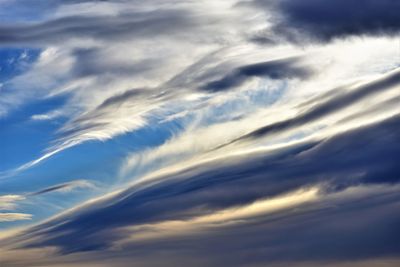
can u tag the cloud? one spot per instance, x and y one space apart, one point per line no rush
65 187
116 58
324 21
8 202
328 114
10 217
319 226
62 29
332 105
263 142
47 116
276 69
222 218
341 165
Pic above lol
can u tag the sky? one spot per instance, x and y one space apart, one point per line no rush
199 133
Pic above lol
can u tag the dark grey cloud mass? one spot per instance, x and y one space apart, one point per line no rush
125 26
327 234
365 156
325 20
276 69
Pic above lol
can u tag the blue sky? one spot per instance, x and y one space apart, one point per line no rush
199 133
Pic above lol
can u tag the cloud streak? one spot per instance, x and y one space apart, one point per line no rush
10 217
65 187
277 69
7 202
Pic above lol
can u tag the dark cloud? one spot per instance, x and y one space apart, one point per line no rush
124 97
60 187
50 189
332 232
364 156
276 69
132 25
324 20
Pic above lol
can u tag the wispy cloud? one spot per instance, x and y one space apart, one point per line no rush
65 187
10 217
8 202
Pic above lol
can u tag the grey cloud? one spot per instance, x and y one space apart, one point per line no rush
126 96
343 161
132 25
64 187
94 62
275 69
326 232
325 20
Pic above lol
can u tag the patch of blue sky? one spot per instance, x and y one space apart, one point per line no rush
91 161
94 161
14 61
21 138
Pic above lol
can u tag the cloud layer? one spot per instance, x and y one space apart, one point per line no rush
212 133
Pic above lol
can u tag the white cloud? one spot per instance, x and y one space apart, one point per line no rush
8 202
46 116
10 217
